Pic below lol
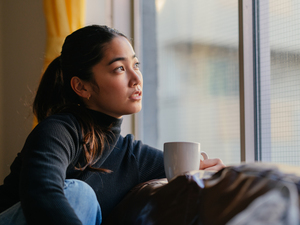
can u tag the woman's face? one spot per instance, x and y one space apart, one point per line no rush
119 81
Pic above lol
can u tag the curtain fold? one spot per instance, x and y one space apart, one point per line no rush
62 18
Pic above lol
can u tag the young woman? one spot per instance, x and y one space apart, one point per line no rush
75 160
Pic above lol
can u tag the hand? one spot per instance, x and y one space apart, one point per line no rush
211 164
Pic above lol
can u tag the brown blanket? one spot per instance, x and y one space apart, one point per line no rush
245 194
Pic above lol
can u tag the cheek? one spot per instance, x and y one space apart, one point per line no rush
114 89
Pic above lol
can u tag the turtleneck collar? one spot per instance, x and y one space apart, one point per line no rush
105 120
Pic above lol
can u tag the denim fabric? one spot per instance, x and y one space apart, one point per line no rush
81 197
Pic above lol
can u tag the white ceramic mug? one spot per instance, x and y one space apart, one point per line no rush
181 157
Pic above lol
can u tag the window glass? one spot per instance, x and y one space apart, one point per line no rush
195 89
279 29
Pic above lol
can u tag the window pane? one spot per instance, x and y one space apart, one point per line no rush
197 95
280 80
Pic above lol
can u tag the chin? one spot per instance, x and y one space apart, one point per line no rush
139 109
135 110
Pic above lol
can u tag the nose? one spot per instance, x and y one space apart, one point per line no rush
135 78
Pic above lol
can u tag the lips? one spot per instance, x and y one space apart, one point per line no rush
137 95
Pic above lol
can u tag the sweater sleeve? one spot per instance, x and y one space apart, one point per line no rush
150 162
48 150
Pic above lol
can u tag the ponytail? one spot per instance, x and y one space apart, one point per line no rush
49 96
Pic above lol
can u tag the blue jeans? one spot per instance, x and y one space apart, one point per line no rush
81 197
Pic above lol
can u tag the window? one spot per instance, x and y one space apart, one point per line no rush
191 66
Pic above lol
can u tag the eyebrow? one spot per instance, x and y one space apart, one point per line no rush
119 59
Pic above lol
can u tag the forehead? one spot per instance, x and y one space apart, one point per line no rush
118 47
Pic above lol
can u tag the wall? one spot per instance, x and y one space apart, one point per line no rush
22 35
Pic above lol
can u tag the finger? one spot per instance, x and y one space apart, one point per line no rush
211 164
215 168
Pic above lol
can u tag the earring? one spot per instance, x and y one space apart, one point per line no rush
88 98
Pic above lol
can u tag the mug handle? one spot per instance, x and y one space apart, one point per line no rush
204 155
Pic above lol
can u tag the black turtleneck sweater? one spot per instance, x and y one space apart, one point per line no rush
49 156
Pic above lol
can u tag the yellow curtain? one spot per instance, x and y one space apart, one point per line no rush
62 18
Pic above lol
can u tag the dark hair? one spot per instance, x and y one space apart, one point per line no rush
81 50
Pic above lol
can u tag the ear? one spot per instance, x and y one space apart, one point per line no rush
80 87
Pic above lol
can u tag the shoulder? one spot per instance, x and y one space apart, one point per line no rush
61 118
65 121
62 127
58 135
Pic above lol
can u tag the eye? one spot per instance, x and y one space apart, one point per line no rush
119 69
137 65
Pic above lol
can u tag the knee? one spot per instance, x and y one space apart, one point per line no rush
83 200
79 190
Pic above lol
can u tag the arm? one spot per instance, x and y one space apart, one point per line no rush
150 162
46 155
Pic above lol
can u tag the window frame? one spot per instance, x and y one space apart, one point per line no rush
247 85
